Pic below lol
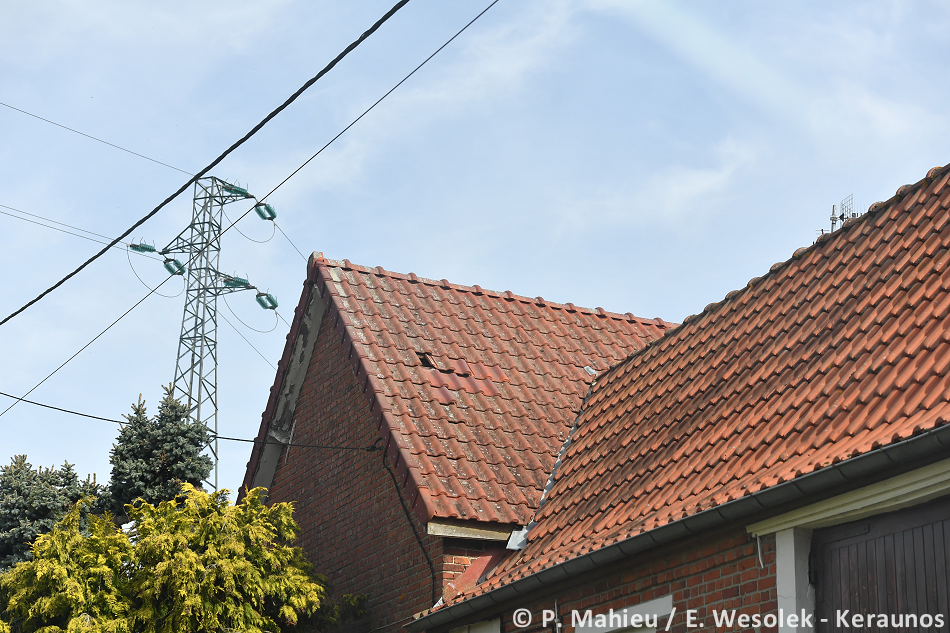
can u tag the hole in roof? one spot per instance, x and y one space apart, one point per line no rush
452 368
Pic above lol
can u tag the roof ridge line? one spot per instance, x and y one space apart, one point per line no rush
507 295
676 329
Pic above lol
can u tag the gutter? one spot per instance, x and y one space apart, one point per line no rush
851 473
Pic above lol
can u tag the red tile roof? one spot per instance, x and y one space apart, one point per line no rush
840 350
474 390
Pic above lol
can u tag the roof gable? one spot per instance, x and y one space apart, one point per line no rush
841 350
473 390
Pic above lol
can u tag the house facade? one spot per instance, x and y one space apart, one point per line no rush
780 461
415 422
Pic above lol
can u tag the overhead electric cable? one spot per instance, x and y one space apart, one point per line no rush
251 239
49 406
7 105
249 210
357 119
142 281
33 215
47 226
373 447
217 160
282 318
291 243
241 321
248 342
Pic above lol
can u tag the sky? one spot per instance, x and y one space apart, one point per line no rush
643 157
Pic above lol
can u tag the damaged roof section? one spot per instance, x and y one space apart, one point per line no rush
473 390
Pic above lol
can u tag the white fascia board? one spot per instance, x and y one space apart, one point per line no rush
902 491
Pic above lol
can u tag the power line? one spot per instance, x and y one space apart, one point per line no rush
291 243
282 318
33 215
95 139
365 112
142 281
85 237
241 321
357 119
373 447
248 342
49 406
47 226
217 160
249 238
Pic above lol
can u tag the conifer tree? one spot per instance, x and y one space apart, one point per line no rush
153 457
73 581
32 501
196 564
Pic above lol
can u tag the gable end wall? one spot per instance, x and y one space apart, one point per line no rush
353 525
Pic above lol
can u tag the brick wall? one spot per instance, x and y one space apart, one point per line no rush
353 526
716 573
457 555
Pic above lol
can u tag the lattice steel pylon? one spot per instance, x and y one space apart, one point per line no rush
199 245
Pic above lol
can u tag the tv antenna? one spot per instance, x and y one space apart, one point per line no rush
196 368
846 212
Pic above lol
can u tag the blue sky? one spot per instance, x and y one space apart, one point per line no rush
640 156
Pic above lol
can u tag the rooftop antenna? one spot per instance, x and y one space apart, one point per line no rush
847 208
199 245
847 212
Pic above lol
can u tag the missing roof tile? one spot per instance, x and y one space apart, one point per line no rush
426 360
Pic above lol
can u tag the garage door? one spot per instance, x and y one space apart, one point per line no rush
891 569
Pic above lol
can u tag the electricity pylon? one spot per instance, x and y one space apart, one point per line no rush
196 367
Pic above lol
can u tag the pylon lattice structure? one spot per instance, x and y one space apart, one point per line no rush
199 245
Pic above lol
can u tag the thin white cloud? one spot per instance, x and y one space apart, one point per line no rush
833 105
182 28
720 57
493 63
663 198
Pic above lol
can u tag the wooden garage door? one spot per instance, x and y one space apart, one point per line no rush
894 564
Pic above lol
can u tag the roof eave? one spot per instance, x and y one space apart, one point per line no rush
848 474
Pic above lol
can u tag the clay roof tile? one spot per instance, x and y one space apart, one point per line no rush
842 349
